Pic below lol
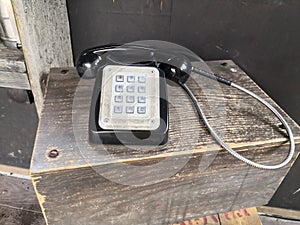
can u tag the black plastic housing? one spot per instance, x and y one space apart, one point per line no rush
98 135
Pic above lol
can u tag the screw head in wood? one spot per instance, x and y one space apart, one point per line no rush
53 153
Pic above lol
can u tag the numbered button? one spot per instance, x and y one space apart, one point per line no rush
129 109
141 109
118 109
130 88
118 98
130 99
119 78
141 99
142 79
142 89
119 88
130 79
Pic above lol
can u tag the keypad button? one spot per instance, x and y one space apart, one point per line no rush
141 99
118 98
141 109
142 89
142 79
119 88
130 79
119 78
130 99
130 88
118 109
129 109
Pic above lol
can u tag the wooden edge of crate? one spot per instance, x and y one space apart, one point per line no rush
34 172
14 171
280 212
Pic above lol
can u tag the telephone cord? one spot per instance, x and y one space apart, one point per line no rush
221 141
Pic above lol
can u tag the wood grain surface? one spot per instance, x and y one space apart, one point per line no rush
12 68
189 177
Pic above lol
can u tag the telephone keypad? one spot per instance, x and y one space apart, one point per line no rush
135 89
130 98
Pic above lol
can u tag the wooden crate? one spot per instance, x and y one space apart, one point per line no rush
188 178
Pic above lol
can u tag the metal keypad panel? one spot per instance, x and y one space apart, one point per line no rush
129 98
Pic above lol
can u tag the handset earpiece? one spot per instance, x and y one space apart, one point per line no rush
90 59
177 68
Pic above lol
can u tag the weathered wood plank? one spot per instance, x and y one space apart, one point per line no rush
14 171
11 60
239 119
45 36
266 220
12 69
279 212
18 193
19 216
189 177
14 80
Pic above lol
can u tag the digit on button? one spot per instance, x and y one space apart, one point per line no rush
141 110
130 79
119 78
129 109
141 99
119 88
142 89
118 109
142 79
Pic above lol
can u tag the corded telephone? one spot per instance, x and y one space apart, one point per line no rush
129 103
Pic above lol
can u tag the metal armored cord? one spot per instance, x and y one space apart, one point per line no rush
220 140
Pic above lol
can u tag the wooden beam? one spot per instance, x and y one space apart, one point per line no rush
280 212
14 80
45 35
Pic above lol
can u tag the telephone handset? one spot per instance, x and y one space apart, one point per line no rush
129 103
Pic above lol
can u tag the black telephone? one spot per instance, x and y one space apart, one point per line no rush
129 103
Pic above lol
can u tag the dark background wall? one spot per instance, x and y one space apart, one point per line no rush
261 36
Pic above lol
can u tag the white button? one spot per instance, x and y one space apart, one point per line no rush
118 109
130 79
142 89
130 99
142 79
130 88
118 98
119 88
129 109
141 110
141 99
119 78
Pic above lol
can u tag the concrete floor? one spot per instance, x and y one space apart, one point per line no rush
18 125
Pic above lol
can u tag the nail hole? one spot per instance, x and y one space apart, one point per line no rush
64 71
281 126
53 153
224 63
